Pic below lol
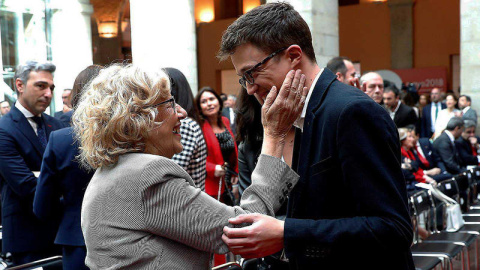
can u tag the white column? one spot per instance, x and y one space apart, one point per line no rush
164 35
470 51
322 18
71 42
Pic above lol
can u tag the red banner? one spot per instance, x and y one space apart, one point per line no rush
425 79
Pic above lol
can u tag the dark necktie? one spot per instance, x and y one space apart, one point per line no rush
42 136
436 111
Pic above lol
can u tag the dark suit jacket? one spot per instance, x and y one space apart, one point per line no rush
66 118
464 150
431 155
350 203
426 129
448 154
471 114
20 154
405 116
61 176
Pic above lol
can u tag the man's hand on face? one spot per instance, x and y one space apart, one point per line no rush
355 82
262 238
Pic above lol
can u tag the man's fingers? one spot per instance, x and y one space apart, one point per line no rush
236 232
237 242
244 218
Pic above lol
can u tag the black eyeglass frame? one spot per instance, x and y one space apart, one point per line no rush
171 100
247 75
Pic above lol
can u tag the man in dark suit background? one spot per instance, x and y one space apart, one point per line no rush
430 113
67 105
445 145
23 137
467 145
229 111
351 197
464 103
428 159
400 113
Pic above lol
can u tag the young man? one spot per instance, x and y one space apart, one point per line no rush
350 203
23 136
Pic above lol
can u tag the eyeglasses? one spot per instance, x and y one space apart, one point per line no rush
171 101
248 76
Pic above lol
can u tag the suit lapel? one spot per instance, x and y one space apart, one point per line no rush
318 96
26 129
48 125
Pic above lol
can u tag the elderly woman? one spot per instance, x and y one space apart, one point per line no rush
141 210
411 162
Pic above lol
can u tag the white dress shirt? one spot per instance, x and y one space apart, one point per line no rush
437 105
300 121
28 115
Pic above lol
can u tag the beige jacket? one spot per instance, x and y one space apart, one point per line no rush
145 213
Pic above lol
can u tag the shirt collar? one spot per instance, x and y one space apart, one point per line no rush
450 135
398 106
299 122
24 111
465 109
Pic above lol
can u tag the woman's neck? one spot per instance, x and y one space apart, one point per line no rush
213 120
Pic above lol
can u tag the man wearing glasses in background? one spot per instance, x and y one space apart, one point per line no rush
350 203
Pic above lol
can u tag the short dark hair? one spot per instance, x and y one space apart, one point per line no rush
392 88
467 97
181 91
454 123
83 79
268 27
337 64
199 108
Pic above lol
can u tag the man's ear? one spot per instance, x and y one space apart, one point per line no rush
364 87
294 54
19 84
339 76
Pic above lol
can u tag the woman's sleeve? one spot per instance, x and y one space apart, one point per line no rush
174 209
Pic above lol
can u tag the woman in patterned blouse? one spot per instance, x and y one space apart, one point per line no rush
193 158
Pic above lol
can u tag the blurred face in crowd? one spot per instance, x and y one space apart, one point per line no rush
65 97
423 101
4 108
457 132
435 95
271 73
210 105
230 103
468 132
36 94
390 100
164 138
410 141
373 87
463 103
350 75
451 102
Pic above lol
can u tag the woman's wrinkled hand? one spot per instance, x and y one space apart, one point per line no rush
282 108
